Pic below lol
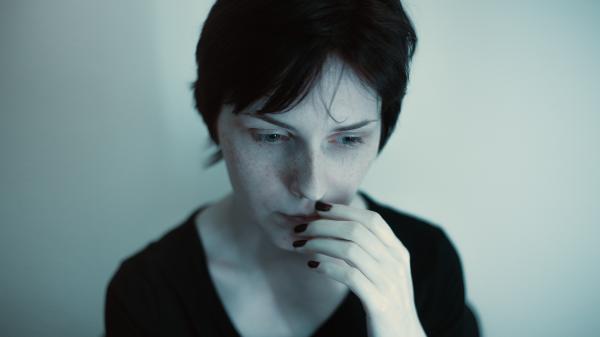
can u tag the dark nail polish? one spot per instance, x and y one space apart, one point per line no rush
300 228
299 243
321 206
313 264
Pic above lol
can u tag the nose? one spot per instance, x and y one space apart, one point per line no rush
309 176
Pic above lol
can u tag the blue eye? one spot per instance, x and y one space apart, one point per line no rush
269 138
352 141
274 138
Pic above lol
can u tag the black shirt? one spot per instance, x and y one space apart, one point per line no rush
166 290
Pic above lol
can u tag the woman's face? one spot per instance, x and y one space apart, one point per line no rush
281 164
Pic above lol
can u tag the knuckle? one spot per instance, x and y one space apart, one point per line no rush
354 230
351 251
352 274
374 218
405 254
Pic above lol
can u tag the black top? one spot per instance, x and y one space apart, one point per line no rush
166 290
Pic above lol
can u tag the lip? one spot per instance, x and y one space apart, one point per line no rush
301 219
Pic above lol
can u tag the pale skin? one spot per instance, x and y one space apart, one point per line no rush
286 164
377 266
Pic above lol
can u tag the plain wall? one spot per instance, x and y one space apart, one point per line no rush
101 152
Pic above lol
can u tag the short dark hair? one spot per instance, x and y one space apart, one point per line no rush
249 49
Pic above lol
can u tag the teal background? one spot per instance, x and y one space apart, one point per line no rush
101 152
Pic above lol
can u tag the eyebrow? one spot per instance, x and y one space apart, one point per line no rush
289 127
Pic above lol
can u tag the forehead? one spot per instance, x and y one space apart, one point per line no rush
338 96
341 92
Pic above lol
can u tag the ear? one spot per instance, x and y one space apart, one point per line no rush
213 159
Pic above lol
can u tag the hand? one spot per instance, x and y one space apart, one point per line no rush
373 263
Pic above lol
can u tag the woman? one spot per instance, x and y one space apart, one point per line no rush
300 97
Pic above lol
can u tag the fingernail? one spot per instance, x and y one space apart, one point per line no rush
300 228
321 206
299 243
313 264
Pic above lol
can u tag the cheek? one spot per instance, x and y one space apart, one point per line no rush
354 163
349 172
251 170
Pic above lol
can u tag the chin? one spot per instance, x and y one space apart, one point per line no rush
282 236
284 242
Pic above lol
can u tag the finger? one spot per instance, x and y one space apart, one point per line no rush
327 258
372 221
353 254
354 279
350 231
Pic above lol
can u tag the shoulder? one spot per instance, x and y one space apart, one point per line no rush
150 261
142 286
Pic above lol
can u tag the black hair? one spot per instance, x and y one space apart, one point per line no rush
249 49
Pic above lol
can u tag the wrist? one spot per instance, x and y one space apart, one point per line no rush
391 326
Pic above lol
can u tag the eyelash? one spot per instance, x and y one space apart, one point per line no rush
261 138
356 140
